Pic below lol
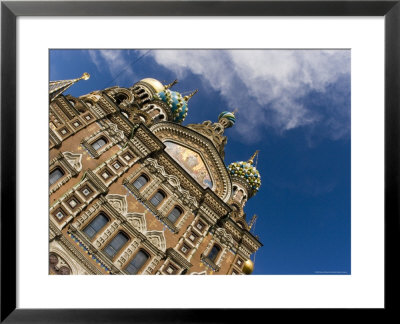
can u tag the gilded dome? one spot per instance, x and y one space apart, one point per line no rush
229 116
248 267
155 84
247 172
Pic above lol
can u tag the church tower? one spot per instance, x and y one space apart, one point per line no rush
133 191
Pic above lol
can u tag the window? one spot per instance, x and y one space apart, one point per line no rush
55 175
200 226
73 203
105 174
157 198
171 269
99 143
86 191
214 253
140 182
116 165
185 248
174 215
116 244
127 157
96 225
59 213
137 263
192 237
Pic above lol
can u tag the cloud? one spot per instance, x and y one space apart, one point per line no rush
116 62
272 88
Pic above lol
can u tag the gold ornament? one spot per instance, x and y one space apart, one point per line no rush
248 267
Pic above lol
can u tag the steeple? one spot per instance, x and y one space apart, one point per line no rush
170 85
187 98
252 222
251 160
58 87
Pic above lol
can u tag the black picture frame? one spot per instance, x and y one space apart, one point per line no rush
10 10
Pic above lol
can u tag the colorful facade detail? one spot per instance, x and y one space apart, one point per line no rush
133 191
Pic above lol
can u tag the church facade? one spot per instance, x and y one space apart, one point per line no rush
132 191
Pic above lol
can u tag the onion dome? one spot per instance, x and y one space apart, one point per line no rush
157 85
248 267
247 173
229 117
176 102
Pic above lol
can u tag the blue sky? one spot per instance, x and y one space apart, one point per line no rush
293 106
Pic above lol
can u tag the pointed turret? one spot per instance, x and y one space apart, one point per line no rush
58 87
187 98
170 85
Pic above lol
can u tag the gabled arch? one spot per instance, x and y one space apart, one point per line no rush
74 159
172 132
138 221
119 203
157 238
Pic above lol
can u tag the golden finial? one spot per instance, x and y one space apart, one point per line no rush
248 267
85 76
235 111
170 85
251 160
186 98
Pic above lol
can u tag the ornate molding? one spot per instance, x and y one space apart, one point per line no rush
75 160
157 238
167 131
119 203
172 180
138 221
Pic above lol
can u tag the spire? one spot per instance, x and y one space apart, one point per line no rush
170 85
58 87
252 222
251 160
187 98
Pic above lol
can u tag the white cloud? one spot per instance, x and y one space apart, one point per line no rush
115 61
269 86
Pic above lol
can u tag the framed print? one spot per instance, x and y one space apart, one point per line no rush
163 118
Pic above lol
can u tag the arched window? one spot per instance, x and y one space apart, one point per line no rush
120 97
214 252
96 225
99 143
154 112
157 198
137 263
55 175
158 118
140 182
174 215
116 244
